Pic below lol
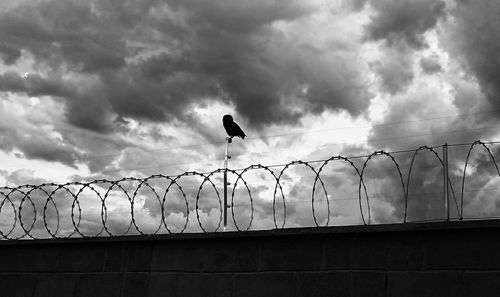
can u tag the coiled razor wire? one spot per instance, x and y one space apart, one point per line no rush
340 158
422 148
361 175
475 143
22 207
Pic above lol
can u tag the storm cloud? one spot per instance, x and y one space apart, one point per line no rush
151 60
401 26
395 68
430 65
429 111
122 87
404 20
472 37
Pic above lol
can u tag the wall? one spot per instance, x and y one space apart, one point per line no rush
433 259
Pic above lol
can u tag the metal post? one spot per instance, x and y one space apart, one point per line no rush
445 181
226 160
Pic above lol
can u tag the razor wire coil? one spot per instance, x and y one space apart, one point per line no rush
23 214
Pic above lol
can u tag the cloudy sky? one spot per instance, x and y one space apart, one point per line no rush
117 88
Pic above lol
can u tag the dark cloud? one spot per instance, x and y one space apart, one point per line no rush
474 46
395 68
355 5
401 24
419 113
260 70
40 148
85 106
472 38
151 60
64 33
430 65
242 16
467 97
9 54
406 20
33 85
33 144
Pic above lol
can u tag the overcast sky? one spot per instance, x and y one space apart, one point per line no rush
115 88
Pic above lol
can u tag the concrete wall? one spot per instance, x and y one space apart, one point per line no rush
437 259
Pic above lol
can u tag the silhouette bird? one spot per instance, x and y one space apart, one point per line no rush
232 128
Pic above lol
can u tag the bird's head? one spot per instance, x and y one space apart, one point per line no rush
227 119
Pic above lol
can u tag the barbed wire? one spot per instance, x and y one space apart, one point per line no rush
37 211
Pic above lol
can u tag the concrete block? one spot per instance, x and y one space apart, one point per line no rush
16 285
116 255
316 284
337 252
369 251
99 285
136 285
207 285
139 257
40 258
406 251
264 284
291 253
176 256
229 255
482 283
163 284
54 285
462 249
45 258
373 284
425 284
9 257
82 257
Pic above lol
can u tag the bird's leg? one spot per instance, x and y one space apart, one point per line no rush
230 139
